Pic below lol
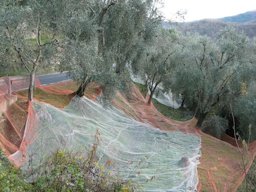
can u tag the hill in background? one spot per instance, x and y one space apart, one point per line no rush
245 22
247 17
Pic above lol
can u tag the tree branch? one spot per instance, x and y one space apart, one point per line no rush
104 11
38 41
17 50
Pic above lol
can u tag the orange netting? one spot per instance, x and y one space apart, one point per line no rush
19 157
21 83
220 169
58 88
17 119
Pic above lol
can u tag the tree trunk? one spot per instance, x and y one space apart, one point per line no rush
182 103
31 84
118 69
152 91
80 91
200 118
150 97
100 41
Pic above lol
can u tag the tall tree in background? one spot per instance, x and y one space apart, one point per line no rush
245 105
210 70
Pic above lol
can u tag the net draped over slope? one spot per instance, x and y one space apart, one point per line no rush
165 98
138 152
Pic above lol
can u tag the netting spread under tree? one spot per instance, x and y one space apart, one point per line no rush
155 160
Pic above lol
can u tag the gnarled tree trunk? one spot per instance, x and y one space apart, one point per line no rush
81 89
32 78
200 118
152 91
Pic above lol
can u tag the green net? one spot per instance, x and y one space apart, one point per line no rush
155 160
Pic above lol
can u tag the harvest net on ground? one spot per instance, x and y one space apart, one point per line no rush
156 160
220 163
15 129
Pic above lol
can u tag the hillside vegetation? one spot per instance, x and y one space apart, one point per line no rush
209 65
248 17
245 22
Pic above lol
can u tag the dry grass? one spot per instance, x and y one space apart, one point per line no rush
17 115
56 100
12 126
220 165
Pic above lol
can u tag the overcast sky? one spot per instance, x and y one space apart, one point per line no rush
201 9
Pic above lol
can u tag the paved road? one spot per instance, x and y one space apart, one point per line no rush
53 78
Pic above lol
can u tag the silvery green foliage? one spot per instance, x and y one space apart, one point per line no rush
215 126
211 70
82 61
20 22
124 26
28 31
245 110
80 54
110 28
11 18
157 61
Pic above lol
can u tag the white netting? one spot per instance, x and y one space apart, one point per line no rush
137 79
156 160
165 98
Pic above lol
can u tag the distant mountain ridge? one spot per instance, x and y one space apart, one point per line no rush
245 22
241 18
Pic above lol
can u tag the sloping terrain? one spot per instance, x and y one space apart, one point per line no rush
212 28
245 22
220 166
153 159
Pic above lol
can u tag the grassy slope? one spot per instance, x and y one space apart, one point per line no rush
176 114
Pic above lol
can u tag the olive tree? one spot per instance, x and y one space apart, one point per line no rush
23 24
79 42
126 25
244 105
157 61
109 28
245 109
211 70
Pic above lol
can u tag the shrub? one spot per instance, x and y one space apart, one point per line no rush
215 126
249 184
72 172
65 172
11 179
